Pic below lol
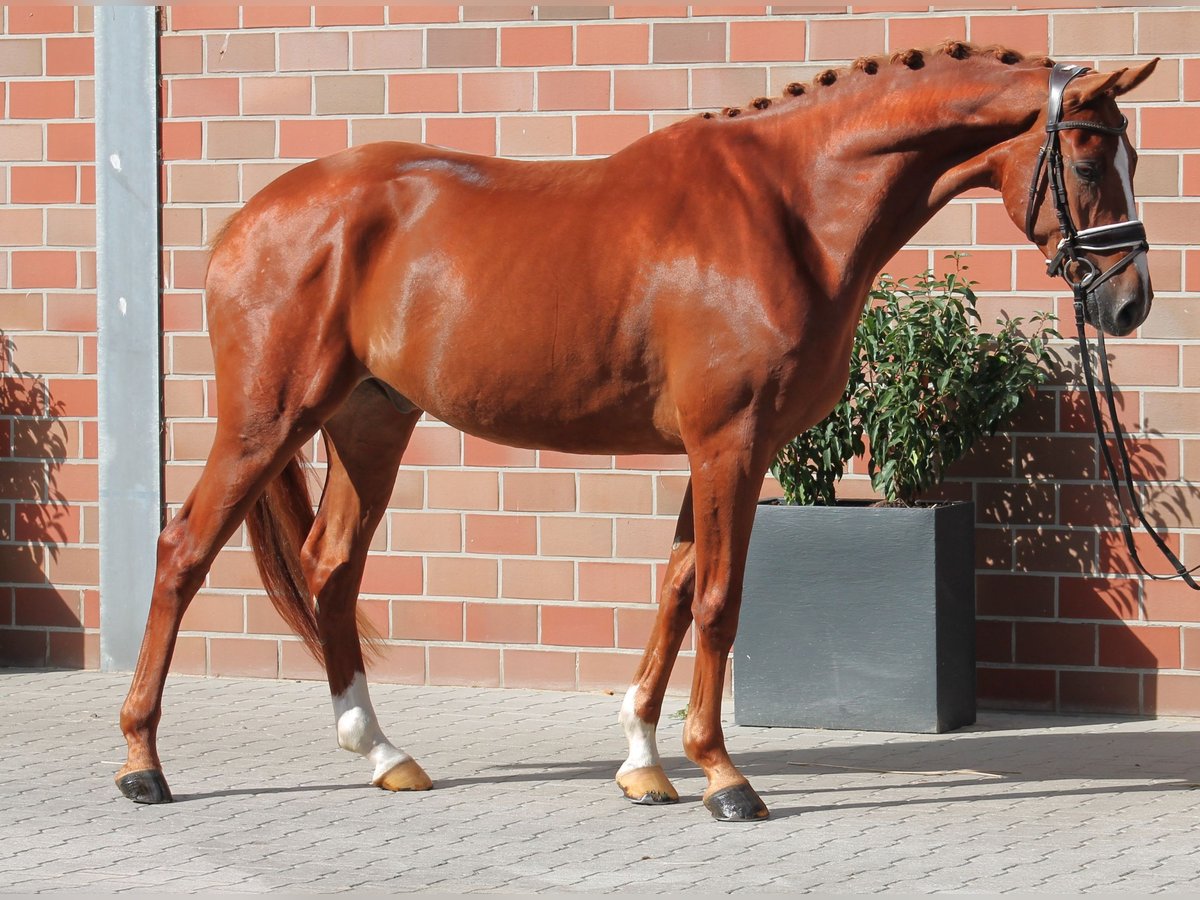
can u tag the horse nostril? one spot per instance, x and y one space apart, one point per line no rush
1127 317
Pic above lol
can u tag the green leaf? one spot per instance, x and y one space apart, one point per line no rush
924 382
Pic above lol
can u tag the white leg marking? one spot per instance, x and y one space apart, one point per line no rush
358 730
643 746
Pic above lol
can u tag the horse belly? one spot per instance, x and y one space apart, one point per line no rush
601 433
512 386
548 419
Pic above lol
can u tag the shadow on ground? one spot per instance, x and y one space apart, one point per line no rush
1129 763
1144 761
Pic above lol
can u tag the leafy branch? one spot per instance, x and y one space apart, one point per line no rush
924 384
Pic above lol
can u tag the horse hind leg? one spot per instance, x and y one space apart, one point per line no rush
239 467
641 777
364 441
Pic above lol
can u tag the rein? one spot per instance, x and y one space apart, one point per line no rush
1129 236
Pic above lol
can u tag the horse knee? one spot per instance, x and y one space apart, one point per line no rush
715 618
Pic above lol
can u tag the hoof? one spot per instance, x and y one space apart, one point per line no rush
648 786
145 786
736 803
408 776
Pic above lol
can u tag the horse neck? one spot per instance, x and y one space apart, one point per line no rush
868 170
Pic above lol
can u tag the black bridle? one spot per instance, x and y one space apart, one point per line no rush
1069 263
1129 235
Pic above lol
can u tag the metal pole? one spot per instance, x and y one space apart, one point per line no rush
127 280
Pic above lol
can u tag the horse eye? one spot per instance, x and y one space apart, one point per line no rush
1088 171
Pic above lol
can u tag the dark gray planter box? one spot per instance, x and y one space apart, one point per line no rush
858 617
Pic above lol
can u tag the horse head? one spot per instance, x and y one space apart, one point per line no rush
1068 183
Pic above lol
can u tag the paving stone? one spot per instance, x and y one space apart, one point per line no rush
524 800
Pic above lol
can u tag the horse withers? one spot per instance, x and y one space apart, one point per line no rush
696 292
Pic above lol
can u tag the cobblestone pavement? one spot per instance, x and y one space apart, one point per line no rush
525 802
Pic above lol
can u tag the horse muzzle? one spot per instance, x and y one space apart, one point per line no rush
1116 301
1116 295
1120 316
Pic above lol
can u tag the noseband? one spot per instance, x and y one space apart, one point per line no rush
1067 262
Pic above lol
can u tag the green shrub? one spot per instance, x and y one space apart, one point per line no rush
925 383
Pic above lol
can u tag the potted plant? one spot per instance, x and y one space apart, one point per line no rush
862 615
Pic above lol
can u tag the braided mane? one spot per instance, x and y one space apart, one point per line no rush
870 65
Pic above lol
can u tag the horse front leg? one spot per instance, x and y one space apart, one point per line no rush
726 479
641 776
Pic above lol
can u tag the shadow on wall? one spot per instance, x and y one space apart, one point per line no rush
1079 629
1166 498
38 626
1042 490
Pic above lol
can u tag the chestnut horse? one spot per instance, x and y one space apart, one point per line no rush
696 292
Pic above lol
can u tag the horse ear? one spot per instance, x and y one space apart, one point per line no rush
1089 88
1086 89
1131 78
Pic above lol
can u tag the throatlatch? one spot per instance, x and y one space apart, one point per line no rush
1067 262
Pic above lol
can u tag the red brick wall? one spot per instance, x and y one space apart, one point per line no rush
49 606
500 566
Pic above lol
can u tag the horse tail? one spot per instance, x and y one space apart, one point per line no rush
278 524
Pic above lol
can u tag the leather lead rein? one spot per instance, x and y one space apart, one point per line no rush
1131 236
